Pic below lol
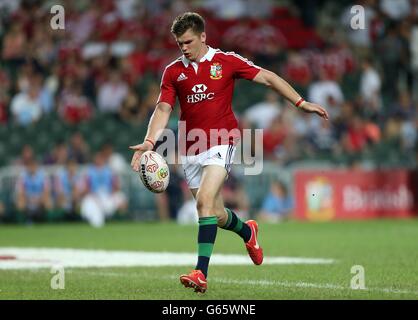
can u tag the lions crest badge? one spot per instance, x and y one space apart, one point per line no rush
216 71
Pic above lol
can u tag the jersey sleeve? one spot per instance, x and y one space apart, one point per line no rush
243 68
167 89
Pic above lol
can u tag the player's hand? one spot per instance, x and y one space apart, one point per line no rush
139 150
314 108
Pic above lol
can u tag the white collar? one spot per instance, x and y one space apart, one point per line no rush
208 56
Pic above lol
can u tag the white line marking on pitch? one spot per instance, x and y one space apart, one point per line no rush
32 258
261 283
304 285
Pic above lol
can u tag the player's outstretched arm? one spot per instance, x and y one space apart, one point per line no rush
272 80
157 123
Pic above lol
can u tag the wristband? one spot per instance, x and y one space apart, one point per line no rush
299 102
150 141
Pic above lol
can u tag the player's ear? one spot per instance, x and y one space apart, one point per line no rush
203 37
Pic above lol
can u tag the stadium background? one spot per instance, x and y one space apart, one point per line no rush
367 80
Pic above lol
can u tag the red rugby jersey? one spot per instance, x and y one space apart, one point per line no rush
205 91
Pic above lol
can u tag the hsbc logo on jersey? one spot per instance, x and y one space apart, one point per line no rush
200 94
199 88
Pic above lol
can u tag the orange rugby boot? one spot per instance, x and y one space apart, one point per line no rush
253 247
195 279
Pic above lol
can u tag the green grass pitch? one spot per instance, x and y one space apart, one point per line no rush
387 249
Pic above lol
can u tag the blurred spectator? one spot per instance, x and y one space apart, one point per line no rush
41 46
168 203
372 131
31 81
323 139
262 114
26 156
26 107
370 85
136 62
45 96
52 81
33 198
324 91
297 69
78 148
409 133
333 61
392 130
396 10
127 9
4 102
14 46
302 123
188 213
390 51
236 9
404 108
112 93
73 106
340 123
148 104
4 96
260 9
109 25
414 52
251 37
81 23
406 72
355 139
235 198
277 205
114 160
405 112
130 111
308 11
58 155
102 196
273 136
288 151
24 76
67 190
233 9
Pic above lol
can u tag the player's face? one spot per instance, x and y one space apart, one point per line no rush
191 44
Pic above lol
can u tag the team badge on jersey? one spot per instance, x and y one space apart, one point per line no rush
216 71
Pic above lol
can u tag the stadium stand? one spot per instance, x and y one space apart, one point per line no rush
379 139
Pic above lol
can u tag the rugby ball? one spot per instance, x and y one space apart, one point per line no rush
154 172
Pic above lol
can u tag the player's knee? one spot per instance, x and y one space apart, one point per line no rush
205 204
222 219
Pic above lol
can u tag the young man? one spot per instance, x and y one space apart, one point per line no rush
203 80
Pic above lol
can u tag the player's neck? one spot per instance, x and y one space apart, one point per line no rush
202 53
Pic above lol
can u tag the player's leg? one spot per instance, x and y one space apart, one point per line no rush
248 231
211 183
222 156
228 220
220 210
